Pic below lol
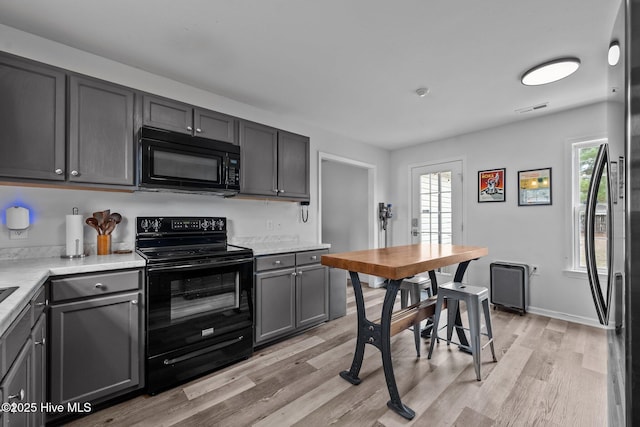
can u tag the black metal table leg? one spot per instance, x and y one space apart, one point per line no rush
378 335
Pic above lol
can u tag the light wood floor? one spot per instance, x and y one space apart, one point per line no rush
549 373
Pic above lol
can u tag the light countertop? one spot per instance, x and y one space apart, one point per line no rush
29 274
280 247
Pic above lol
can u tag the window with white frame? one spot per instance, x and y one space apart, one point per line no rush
583 158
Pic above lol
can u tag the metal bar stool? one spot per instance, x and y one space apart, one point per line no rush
473 296
413 286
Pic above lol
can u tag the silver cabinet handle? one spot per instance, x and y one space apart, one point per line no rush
59 171
19 396
300 273
314 257
198 130
294 274
134 302
277 262
280 191
189 128
275 190
43 342
99 286
40 304
75 173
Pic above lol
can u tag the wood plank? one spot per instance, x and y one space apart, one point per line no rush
399 262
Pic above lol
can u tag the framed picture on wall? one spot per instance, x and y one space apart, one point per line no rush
534 187
491 185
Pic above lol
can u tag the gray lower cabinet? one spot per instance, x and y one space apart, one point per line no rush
97 336
32 120
23 354
292 293
177 116
101 132
275 163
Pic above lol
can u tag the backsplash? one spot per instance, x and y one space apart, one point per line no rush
258 219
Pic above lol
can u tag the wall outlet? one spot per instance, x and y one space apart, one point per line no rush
18 234
535 269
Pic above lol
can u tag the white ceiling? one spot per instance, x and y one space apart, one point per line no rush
349 66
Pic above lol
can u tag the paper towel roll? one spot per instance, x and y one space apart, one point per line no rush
75 236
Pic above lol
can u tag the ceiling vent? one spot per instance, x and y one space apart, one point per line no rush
532 108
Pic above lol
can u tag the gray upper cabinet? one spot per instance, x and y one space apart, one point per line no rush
32 120
293 165
176 116
258 159
101 132
274 162
167 114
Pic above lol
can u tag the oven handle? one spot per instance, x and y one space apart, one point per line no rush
203 351
201 266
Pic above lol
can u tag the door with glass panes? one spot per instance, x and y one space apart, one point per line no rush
436 205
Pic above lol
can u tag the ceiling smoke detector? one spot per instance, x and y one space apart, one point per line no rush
422 92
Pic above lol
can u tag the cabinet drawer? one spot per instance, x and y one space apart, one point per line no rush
15 337
38 303
310 257
275 261
94 285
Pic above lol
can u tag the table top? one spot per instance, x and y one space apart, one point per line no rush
399 262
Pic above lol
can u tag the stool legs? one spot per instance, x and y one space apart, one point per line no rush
487 322
473 311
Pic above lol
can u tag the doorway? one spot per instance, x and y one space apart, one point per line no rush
347 206
436 203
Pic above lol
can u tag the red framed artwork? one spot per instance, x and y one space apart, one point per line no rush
492 185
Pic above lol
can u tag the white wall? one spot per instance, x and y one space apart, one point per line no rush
531 235
248 217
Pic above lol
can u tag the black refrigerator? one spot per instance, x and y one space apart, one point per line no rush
617 297
631 331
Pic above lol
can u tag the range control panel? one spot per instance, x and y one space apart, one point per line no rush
176 224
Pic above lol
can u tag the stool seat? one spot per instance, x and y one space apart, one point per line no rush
473 296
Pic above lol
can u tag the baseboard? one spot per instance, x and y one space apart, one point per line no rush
568 317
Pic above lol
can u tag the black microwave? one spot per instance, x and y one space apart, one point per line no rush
173 161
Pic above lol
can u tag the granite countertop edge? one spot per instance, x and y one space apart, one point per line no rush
28 275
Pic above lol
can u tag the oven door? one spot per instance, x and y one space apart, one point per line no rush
194 304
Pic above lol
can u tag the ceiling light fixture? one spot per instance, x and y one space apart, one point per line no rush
422 92
550 72
614 53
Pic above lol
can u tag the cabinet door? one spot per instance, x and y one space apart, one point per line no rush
167 114
16 388
213 125
38 369
32 111
275 304
293 165
101 132
95 348
312 295
258 162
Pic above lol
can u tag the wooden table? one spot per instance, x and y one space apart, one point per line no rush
395 264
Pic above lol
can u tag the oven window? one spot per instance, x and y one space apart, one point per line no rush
195 296
185 166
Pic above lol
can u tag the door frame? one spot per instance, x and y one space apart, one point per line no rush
463 210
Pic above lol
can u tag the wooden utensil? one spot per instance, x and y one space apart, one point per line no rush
92 222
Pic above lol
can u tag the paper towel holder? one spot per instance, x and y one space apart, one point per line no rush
17 222
79 246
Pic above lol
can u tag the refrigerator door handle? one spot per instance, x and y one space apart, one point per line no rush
602 305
